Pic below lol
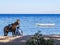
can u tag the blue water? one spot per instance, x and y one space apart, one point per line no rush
28 23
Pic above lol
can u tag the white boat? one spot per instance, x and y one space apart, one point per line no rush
51 24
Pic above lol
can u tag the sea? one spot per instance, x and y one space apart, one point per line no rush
32 23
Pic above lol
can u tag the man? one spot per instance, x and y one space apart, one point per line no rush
18 32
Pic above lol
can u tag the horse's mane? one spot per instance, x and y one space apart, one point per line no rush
16 23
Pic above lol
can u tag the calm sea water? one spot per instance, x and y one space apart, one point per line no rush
28 23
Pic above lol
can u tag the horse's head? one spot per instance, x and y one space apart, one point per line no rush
17 22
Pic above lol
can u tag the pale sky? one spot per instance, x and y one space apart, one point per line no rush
29 6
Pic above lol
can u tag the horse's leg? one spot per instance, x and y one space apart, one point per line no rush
13 33
5 33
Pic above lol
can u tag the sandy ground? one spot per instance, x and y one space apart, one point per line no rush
6 39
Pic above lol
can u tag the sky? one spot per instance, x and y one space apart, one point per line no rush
29 6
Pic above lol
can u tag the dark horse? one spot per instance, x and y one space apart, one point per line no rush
11 28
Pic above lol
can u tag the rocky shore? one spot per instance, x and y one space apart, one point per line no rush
21 40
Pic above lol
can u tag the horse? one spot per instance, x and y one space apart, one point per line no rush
11 28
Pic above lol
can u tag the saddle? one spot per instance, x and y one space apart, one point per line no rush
10 26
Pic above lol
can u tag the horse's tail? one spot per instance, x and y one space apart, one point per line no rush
4 29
